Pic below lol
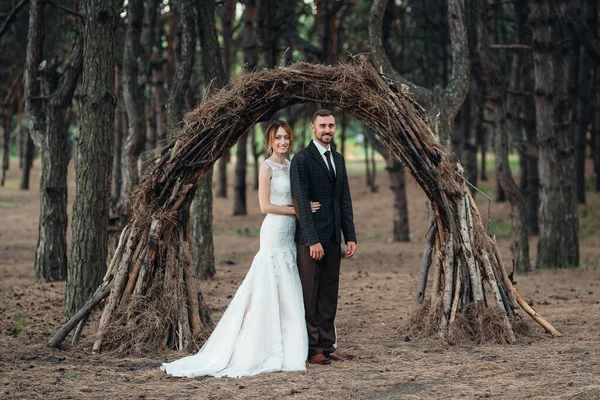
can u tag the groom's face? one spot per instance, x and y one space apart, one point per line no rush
324 129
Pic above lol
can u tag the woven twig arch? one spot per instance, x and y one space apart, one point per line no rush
154 300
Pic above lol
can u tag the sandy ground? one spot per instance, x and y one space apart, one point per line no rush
376 296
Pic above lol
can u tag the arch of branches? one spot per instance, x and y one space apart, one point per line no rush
153 298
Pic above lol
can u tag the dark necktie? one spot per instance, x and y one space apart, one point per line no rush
331 172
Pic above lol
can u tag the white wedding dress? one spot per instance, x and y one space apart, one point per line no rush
263 328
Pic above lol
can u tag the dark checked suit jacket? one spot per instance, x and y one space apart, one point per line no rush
310 181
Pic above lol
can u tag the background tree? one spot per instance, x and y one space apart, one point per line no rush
442 104
48 97
133 102
494 120
558 245
229 55
87 261
251 54
13 45
214 79
395 168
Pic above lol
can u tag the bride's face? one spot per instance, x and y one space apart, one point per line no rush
281 144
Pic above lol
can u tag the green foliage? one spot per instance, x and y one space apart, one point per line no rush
6 204
17 326
500 228
589 225
251 231
490 164
590 185
591 263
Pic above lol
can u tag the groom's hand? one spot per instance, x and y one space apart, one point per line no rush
316 251
351 249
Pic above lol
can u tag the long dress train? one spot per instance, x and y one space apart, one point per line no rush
263 328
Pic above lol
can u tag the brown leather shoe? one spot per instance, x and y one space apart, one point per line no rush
337 356
319 359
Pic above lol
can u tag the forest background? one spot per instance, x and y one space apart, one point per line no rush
91 89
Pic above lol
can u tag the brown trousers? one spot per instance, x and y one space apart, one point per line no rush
320 283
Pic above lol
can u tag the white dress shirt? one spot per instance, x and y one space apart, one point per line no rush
322 150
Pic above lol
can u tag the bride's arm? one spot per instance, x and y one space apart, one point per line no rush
264 193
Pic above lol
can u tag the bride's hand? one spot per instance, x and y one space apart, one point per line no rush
314 206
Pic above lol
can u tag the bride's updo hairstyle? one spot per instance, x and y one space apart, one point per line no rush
272 132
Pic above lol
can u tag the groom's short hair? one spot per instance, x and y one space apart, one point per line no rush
323 112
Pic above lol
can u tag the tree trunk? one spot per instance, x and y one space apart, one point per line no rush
87 261
442 104
202 208
532 177
398 187
494 116
22 140
120 125
268 25
158 66
583 97
183 73
133 100
596 131
150 41
470 124
250 49
256 152
401 231
27 160
559 243
5 146
228 58
239 193
47 111
367 163
202 236
51 252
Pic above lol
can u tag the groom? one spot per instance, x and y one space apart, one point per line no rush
318 174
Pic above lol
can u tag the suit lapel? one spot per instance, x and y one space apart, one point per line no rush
319 159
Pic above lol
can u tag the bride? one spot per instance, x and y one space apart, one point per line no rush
263 328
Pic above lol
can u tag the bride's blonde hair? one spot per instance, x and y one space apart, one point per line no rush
271 132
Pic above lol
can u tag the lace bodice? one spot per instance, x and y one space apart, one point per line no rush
280 189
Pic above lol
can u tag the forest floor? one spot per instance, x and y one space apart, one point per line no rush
376 297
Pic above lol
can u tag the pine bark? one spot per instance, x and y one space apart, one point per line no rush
228 57
133 99
442 104
397 175
176 101
87 261
48 98
596 131
202 236
202 207
250 49
584 90
495 115
559 242
120 126
6 139
27 158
